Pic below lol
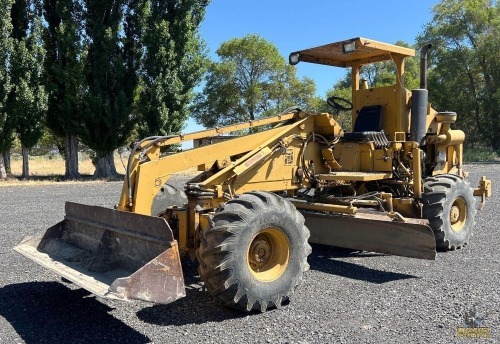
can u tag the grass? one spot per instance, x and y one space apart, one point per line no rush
480 154
50 169
52 166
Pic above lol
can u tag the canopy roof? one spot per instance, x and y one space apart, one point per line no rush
367 51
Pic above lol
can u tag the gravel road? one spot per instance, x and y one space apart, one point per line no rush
361 298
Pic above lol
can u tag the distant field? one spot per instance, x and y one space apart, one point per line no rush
48 169
53 165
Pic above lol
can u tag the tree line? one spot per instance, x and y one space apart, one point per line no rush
251 80
465 66
105 72
464 69
96 71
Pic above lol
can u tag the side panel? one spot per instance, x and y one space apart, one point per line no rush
396 115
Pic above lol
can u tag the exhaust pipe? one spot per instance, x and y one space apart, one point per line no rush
423 65
419 101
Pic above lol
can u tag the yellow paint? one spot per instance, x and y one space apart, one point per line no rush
268 254
279 159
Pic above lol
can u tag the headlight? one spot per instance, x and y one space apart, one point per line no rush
349 47
293 58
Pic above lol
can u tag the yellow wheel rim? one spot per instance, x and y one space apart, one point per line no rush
458 214
268 254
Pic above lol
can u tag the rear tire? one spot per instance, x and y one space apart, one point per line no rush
450 207
255 252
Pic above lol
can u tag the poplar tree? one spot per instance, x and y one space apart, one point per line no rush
6 124
64 75
27 99
173 63
107 121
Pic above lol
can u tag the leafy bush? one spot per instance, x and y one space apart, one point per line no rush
479 154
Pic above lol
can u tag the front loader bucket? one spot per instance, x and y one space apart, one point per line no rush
113 254
374 232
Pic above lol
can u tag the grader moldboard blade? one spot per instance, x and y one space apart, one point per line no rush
113 254
374 232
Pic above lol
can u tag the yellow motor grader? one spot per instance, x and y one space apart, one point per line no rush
395 184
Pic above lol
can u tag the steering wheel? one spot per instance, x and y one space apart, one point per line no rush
339 104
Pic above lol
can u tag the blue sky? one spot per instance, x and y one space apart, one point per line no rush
294 25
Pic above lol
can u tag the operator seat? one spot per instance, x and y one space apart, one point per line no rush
368 127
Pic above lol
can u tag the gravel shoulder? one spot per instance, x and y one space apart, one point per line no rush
357 298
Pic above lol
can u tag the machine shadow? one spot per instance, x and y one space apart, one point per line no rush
49 312
323 259
197 307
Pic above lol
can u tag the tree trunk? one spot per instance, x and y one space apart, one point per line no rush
26 163
105 166
6 161
495 142
3 174
71 156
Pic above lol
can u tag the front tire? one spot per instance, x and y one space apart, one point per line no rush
450 207
255 252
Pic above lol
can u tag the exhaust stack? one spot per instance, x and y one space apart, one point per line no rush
419 101
423 65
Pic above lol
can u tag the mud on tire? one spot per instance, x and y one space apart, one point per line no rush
255 252
450 207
